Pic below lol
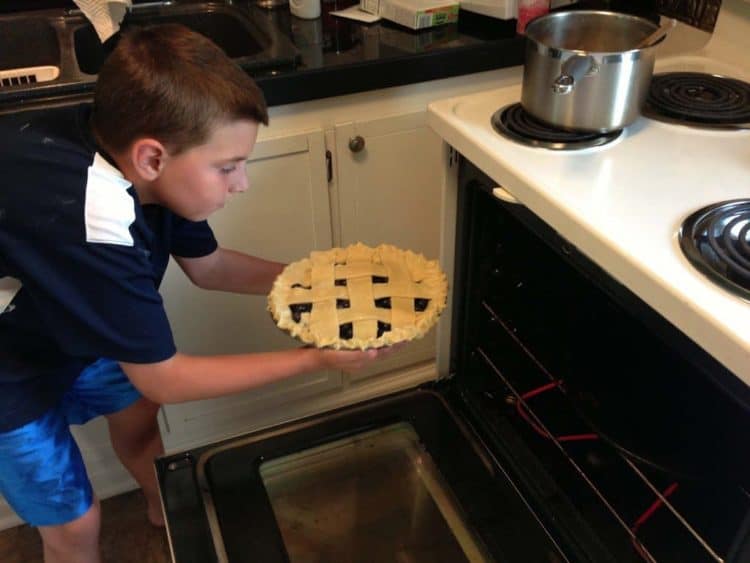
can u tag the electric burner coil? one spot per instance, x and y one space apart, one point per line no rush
699 99
517 124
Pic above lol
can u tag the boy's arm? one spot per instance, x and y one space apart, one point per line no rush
229 270
187 378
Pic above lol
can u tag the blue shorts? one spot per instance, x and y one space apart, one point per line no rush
42 475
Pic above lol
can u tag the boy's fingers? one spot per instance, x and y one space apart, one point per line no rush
353 360
388 350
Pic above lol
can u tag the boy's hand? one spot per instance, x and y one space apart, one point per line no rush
354 360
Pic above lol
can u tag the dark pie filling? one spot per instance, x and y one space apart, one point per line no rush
342 282
383 303
298 308
345 330
419 303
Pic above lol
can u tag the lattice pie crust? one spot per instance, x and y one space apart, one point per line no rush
359 297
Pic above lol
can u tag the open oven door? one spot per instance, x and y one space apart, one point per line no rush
400 478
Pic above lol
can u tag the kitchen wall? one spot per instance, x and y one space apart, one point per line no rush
700 14
729 40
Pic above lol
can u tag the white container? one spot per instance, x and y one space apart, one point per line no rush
501 9
306 9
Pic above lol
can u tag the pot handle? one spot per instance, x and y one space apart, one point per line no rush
572 70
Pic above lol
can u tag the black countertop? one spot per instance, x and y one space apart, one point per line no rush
340 56
337 56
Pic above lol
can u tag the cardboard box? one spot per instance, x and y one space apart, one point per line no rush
419 14
501 9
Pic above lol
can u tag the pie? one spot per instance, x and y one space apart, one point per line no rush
359 297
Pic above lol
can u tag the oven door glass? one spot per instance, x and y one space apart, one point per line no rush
378 492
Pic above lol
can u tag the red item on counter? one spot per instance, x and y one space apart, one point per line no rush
528 10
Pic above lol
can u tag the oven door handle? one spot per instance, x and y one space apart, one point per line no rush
504 195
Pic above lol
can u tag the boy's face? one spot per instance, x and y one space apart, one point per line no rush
199 181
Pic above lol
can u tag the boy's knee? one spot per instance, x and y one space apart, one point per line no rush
78 536
138 418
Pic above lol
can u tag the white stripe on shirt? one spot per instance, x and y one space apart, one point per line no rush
110 209
8 288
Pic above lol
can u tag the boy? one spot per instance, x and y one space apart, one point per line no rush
93 202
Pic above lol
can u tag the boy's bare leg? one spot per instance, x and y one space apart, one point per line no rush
136 440
74 542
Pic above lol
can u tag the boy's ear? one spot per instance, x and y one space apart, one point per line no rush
148 157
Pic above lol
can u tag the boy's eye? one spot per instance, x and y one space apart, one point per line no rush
228 169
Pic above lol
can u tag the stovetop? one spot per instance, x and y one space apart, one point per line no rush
623 203
699 99
716 240
515 123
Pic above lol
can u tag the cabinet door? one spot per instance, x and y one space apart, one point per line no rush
389 180
284 214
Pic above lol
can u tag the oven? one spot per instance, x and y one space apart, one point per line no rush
590 395
576 424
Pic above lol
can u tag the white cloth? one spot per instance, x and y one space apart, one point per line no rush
354 13
105 15
8 288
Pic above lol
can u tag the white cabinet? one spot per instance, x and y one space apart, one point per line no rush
388 186
282 216
389 191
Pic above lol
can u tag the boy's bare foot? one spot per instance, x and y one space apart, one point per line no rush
155 516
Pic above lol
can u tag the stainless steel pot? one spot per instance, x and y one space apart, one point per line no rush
583 70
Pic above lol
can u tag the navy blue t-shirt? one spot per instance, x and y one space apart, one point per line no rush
81 261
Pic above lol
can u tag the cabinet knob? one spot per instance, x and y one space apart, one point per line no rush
356 144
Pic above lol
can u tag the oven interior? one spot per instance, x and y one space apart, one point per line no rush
577 425
577 380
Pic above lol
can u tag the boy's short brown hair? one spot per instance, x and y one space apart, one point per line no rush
172 84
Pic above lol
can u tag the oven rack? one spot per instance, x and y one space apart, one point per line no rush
602 497
660 497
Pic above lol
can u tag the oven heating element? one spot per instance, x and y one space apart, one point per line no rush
660 493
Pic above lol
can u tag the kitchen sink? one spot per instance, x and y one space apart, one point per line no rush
228 27
57 51
29 51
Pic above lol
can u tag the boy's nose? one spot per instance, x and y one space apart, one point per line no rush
240 183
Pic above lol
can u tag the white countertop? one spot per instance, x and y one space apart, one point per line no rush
622 204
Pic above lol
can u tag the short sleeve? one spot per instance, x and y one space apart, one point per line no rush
192 239
72 235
